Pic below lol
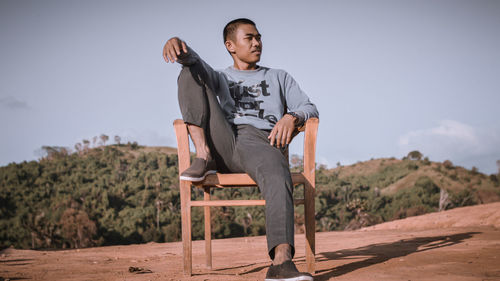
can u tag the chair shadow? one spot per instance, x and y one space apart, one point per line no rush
379 253
16 262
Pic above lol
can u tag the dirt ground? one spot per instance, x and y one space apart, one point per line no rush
460 244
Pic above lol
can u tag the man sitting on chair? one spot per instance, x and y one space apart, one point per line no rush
241 119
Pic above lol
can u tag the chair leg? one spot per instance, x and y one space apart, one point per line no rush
208 230
185 190
310 227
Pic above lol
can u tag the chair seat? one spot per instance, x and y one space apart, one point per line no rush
237 179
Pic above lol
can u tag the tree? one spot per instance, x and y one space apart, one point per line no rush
415 155
53 152
444 199
78 148
426 161
117 139
104 139
77 228
448 164
474 170
134 145
86 144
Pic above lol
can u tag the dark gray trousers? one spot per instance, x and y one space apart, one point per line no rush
241 148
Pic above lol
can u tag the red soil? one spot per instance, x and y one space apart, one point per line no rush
460 244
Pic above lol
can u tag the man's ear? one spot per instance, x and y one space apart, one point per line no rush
229 46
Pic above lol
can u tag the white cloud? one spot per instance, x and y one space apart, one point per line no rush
456 141
447 131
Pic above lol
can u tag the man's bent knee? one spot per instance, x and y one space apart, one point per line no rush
185 77
192 74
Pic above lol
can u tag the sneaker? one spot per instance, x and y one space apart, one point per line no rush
198 170
286 272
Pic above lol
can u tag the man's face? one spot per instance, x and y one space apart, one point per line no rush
245 45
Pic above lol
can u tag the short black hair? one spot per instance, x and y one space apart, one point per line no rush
231 26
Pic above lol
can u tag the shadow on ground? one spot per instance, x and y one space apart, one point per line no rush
379 253
371 254
14 262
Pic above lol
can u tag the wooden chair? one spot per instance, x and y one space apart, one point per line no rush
234 180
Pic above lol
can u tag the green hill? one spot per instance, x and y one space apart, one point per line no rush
381 190
121 194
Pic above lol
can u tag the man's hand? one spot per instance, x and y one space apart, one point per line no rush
173 48
282 131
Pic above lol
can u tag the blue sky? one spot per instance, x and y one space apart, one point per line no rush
387 77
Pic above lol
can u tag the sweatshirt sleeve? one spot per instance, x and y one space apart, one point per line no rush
297 101
207 73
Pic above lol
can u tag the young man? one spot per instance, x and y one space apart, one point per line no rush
238 121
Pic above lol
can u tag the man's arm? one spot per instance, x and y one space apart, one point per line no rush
176 50
296 102
172 49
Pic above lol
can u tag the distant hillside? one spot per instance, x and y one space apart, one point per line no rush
391 175
121 194
470 216
380 190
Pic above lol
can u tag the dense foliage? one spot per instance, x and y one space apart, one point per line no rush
120 194
104 196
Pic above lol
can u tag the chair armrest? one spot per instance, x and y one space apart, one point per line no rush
311 131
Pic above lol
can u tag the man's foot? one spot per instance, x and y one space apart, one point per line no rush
286 272
198 170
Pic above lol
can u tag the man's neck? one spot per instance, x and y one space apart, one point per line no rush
240 65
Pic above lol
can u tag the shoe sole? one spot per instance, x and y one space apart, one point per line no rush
186 178
299 278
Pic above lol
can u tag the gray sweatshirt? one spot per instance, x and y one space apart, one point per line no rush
257 97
